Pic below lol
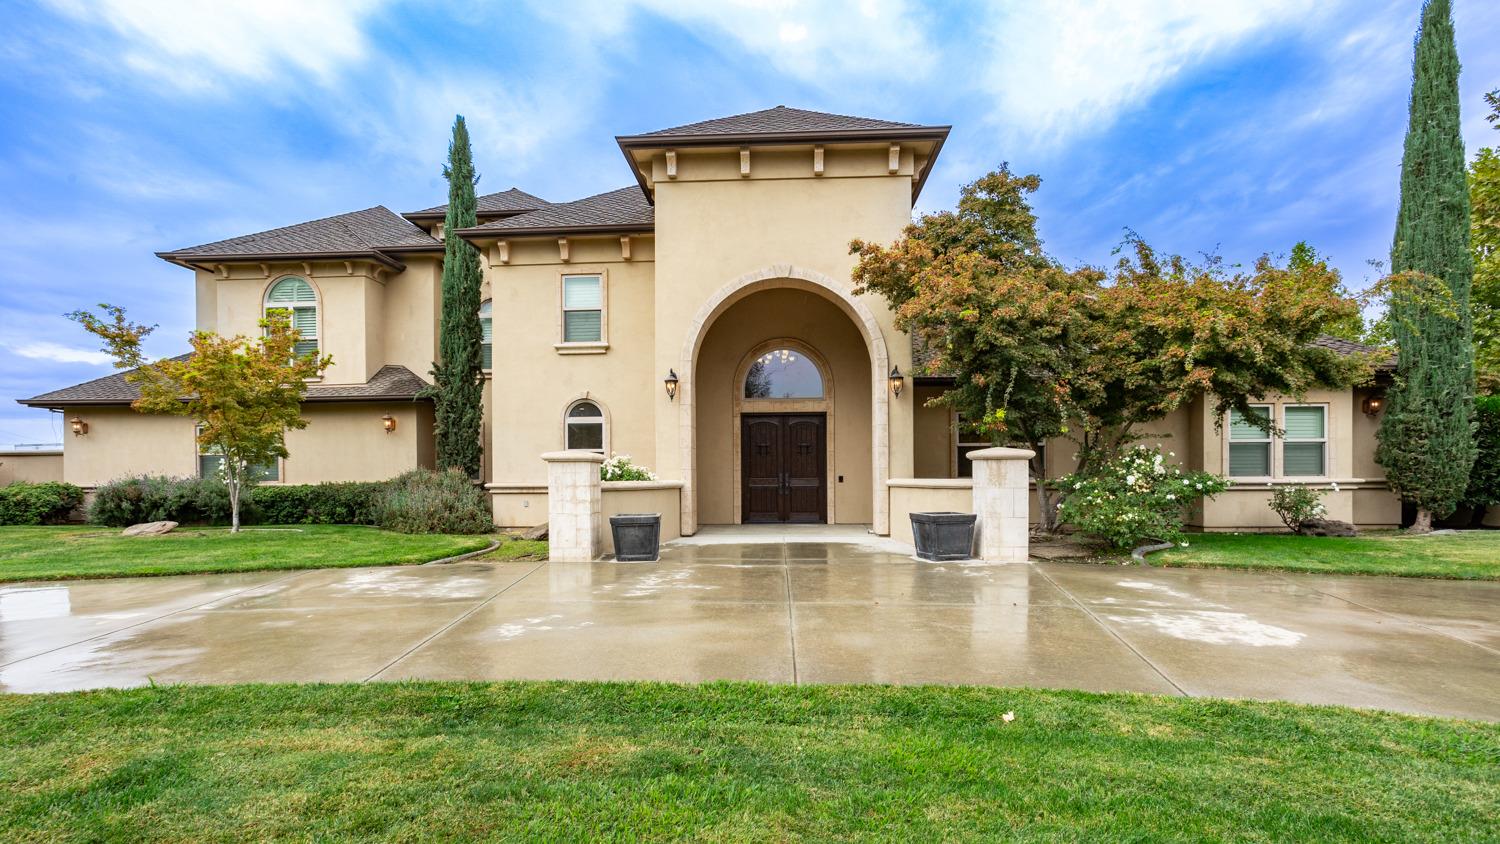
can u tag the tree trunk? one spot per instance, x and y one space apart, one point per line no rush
234 505
1046 509
1423 524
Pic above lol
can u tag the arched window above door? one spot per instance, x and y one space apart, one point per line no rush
783 374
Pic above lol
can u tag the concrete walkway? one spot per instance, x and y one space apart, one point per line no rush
778 610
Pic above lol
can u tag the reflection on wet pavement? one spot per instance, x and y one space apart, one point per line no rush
789 610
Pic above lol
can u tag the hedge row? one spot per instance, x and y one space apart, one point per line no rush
23 503
420 501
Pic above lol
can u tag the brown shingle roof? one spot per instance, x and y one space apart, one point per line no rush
391 383
779 120
512 201
924 357
368 234
620 210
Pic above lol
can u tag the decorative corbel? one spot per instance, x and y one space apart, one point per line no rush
671 164
817 161
265 270
348 268
895 162
625 248
744 162
222 270
501 253
562 249
307 268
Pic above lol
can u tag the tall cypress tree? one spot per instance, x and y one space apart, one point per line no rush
1426 437
458 393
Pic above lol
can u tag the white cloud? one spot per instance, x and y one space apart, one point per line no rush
57 352
827 43
197 45
1066 66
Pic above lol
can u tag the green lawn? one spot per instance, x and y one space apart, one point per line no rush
56 553
1464 556
518 549
727 762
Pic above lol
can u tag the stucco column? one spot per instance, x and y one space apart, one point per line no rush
1001 487
575 506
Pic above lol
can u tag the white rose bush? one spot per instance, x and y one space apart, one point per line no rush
1137 496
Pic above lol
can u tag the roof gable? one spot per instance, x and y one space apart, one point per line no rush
509 201
370 232
780 119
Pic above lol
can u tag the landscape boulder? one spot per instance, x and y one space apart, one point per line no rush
535 532
149 529
1326 527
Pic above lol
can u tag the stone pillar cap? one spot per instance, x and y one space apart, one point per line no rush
1001 453
573 456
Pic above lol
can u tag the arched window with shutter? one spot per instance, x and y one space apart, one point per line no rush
487 334
297 296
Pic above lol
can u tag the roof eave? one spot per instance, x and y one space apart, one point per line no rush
937 134
482 233
437 216
190 259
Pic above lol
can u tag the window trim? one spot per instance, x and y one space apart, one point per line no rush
588 347
1284 439
317 304
604 421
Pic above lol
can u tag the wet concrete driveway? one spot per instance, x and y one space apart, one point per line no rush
779 611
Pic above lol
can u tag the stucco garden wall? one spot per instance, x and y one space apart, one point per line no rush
926 495
643 497
30 466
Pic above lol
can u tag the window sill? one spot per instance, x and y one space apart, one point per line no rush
581 348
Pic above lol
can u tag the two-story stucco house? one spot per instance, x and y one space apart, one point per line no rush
700 319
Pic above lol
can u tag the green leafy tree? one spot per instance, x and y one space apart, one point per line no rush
244 394
1484 199
458 393
1427 433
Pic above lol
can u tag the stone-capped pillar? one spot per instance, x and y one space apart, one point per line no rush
575 506
1002 484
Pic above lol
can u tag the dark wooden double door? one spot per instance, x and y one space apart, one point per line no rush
784 468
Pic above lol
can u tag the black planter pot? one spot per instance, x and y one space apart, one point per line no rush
637 536
943 536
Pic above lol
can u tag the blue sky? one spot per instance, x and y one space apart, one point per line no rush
132 126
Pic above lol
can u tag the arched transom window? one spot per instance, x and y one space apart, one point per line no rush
585 427
297 296
783 374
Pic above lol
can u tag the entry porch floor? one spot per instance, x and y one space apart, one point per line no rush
798 608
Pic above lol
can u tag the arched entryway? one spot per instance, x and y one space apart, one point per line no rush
784 307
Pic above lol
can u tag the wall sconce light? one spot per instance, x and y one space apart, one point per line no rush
389 422
898 381
1372 405
670 382
79 426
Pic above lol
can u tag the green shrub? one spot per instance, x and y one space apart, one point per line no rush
156 498
23 503
424 501
1484 478
1295 504
1137 496
350 503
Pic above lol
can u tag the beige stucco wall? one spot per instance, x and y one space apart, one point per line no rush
30 466
518 505
714 226
801 316
534 382
932 436
928 495
342 442
642 497
368 316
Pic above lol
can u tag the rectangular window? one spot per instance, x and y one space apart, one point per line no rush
210 461
487 343
968 440
1304 448
1249 446
583 309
